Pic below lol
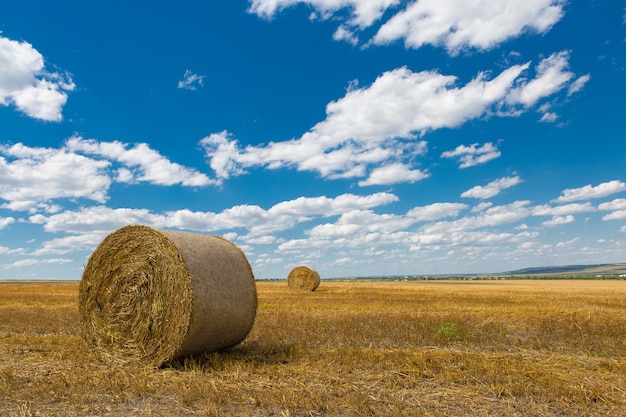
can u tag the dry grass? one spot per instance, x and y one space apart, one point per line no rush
447 348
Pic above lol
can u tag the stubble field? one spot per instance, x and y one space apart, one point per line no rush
351 348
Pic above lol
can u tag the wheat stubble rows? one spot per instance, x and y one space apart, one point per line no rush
351 348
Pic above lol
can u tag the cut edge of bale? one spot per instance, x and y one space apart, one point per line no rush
150 296
303 278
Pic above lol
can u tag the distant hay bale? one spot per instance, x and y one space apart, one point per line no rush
150 296
303 278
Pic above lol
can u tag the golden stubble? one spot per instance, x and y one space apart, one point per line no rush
351 348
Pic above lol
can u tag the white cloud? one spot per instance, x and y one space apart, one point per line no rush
559 220
568 244
377 128
366 237
552 76
97 220
100 220
402 103
5 221
34 176
492 189
578 84
372 126
68 244
549 117
326 206
491 217
567 209
617 208
191 81
359 222
616 215
345 34
472 155
393 174
222 150
617 204
459 24
362 12
484 205
588 191
141 162
452 24
25 84
32 261
436 211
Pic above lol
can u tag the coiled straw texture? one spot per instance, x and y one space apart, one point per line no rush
150 296
303 278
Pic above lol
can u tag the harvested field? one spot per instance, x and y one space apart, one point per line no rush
365 348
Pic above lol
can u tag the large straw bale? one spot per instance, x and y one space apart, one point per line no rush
150 296
303 278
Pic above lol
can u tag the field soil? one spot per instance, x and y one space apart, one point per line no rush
350 348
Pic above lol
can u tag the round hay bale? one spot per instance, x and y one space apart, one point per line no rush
303 278
150 296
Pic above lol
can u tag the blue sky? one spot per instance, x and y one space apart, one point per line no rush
362 138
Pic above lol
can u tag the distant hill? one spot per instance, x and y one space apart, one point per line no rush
599 269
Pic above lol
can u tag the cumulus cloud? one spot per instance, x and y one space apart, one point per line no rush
549 117
33 177
98 220
366 234
578 84
458 24
68 244
393 174
568 244
551 76
383 227
491 217
452 24
5 221
25 84
472 155
381 125
588 191
36 261
616 204
362 12
436 211
362 221
191 81
492 189
141 163
617 208
563 210
345 34
616 215
559 220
